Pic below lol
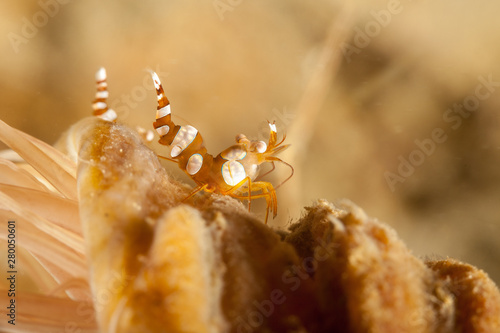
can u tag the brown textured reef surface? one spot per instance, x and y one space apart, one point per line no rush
210 266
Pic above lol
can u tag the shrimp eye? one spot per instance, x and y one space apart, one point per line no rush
241 138
261 146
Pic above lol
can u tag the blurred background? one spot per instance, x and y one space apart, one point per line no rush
391 104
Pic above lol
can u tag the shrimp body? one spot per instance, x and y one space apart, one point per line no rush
233 172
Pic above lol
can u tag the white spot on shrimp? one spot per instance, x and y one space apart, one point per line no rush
261 146
99 105
102 94
100 75
183 139
164 111
176 150
235 153
156 80
233 172
194 164
163 130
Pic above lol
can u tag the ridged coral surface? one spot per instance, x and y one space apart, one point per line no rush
210 266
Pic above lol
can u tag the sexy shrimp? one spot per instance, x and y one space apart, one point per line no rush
233 172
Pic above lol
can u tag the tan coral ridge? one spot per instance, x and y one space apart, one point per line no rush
158 265
217 268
